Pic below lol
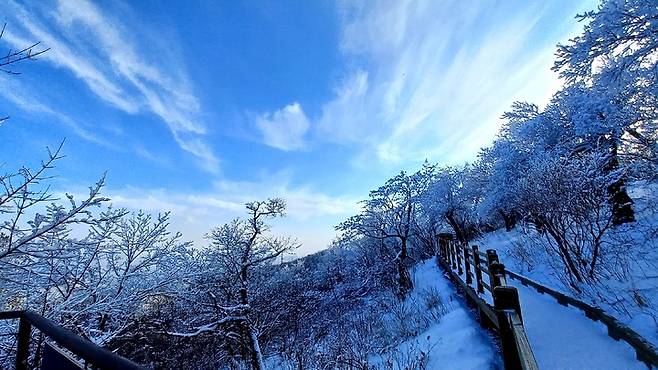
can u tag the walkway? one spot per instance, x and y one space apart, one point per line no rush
563 338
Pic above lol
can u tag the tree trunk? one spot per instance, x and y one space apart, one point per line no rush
403 249
620 202
406 285
564 251
459 233
404 278
300 364
257 355
509 219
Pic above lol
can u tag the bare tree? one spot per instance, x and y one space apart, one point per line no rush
238 249
13 57
23 194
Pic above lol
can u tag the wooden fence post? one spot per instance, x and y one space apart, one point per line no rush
444 250
478 272
440 254
497 275
460 255
507 298
467 265
492 257
452 254
23 346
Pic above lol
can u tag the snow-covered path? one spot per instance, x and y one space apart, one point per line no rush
564 338
458 341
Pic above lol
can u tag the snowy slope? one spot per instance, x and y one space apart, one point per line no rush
456 342
640 319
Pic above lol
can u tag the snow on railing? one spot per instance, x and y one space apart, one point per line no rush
644 350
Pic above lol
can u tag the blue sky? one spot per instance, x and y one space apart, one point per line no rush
197 107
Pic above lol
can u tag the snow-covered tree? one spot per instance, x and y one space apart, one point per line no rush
230 272
452 197
613 71
390 214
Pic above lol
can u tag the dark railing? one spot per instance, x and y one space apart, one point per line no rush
505 315
90 353
644 351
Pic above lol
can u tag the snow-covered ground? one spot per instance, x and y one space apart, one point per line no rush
632 299
457 341
563 338
452 339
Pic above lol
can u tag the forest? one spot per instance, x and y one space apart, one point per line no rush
575 182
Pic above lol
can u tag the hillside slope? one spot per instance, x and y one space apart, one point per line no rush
456 341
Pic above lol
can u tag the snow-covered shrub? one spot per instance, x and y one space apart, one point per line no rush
433 303
413 356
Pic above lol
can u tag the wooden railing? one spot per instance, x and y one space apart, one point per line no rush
644 351
467 267
90 353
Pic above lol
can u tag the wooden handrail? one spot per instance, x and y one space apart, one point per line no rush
88 351
522 342
505 316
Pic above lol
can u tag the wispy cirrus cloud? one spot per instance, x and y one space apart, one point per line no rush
285 128
430 74
33 105
100 51
426 79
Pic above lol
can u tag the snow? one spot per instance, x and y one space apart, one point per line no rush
643 279
564 338
456 342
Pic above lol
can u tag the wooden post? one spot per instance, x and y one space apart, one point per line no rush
492 257
23 346
460 255
478 272
497 275
450 256
507 298
467 266
453 253
440 256
444 240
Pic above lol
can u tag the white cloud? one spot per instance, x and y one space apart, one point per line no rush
310 214
285 128
348 117
426 79
99 51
